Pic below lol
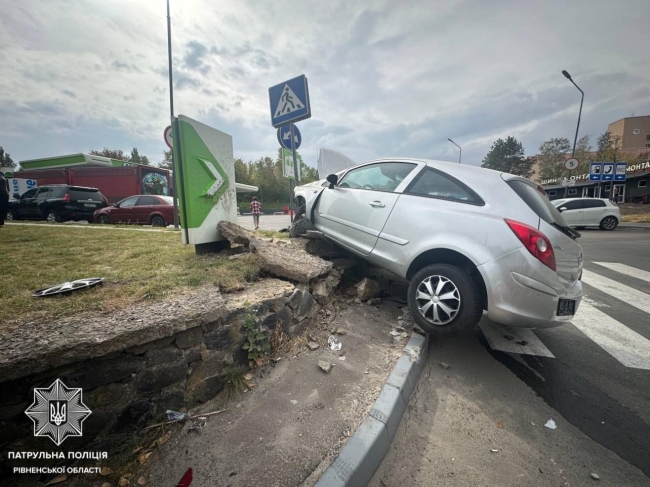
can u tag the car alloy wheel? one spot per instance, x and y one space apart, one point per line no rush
9 216
51 217
103 219
68 287
438 300
609 223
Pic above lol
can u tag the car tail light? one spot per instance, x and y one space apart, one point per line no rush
535 242
186 481
66 198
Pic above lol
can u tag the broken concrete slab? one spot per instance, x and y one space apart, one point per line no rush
285 262
305 306
367 289
235 233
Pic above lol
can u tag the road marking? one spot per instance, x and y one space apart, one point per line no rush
620 291
627 270
625 345
513 340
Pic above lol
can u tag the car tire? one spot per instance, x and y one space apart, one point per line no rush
103 220
302 208
9 216
158 221
580 228
455 281
608 223
52 217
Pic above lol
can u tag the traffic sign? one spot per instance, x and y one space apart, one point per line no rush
595 171
284 137
620 173
571 164
289 101
169 139
608 171
287 166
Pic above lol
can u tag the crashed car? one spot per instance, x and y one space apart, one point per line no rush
468 239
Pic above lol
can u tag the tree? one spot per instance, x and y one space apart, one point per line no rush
6 160
608 147
166 163
582 148
508 156
552 154
136 158
111 153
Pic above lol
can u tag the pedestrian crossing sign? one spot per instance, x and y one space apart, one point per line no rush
289 101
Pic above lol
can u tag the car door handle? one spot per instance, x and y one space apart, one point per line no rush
377 204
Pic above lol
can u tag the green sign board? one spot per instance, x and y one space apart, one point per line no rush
287 164
205 179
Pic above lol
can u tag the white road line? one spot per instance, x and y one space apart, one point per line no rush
513 340
625 345
627 270
620 291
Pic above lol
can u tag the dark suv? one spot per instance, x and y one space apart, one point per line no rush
56 203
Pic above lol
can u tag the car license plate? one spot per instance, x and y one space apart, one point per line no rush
90 205
566 307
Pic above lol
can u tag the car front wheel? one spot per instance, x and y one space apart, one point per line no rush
103 219
608 223
444 299
158 221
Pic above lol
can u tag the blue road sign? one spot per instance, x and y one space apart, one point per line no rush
620 173
608 171
284 137
595 171
289 101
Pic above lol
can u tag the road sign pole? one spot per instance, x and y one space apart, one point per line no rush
291 199
295 169
171 107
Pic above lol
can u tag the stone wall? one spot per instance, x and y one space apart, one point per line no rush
134 384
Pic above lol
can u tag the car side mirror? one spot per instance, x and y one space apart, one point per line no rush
333 179
562 209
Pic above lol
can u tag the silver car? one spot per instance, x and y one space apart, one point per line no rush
589 212
468 239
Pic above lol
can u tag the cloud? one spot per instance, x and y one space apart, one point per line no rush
386 79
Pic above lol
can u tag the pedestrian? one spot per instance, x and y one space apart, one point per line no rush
255 210
4 198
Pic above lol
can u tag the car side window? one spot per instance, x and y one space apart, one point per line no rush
436 184
28 194
129 202
572 205
384 176
593 204
42 193
147 201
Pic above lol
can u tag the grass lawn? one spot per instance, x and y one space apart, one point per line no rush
137 266
635 213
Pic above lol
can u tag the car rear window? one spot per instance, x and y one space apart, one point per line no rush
537 200
85 194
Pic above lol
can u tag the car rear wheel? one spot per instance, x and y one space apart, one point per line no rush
158 221
103 219
52 217
444 299
9 216
608 223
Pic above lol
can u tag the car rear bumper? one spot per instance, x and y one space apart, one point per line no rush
517 299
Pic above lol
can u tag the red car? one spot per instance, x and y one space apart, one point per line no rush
157 211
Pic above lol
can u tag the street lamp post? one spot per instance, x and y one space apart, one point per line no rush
460 153
575 140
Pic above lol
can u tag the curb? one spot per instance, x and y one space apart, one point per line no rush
632 226
364 452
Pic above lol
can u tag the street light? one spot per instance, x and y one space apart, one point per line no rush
461 150
575 140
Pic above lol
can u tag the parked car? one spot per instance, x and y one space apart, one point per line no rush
589 212
469 239
56 203
157 211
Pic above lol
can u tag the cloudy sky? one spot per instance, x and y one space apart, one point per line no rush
386 77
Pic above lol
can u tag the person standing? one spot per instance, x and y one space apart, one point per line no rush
255 210
4 198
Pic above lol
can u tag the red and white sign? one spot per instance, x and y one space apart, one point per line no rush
169 140
571 164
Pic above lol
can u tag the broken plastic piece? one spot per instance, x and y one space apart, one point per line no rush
186 481
334 343
493 450
550 424
175 416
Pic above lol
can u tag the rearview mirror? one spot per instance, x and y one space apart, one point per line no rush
562 209
333 179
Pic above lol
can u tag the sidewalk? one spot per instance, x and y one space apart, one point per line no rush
296 418
635 226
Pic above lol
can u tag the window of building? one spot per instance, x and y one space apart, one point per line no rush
552 193
647 145
643 183
573 191
647 137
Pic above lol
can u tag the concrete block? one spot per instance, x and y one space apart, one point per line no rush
389 409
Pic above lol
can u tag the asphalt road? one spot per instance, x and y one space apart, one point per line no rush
592 377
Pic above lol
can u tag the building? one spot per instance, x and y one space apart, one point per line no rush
632 132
